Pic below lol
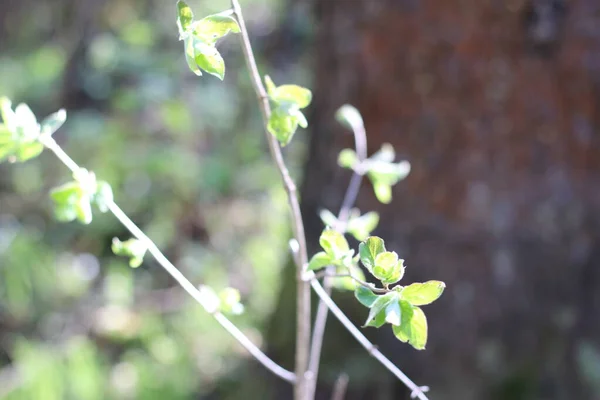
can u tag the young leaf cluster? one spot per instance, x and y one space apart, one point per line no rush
380 168
226 301
200 38
359 226
133 248
73 200
398 307
20 131
337 252
286 103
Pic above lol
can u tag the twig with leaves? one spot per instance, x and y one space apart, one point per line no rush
22 138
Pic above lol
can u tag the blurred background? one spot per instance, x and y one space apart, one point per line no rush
496 104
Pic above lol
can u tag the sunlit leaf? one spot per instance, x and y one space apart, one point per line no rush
209 59
413 327
369 249
185 16
214 27
365 296
132 248
334 243
380 304
103 196
420 294
318 261
53 122
292 94
392 313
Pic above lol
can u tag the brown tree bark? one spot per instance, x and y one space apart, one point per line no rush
497 106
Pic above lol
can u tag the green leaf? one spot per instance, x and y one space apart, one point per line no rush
392 313
104 196
295 94
8 115
230 301
328 218
361 227
302 122
282 125
65 212
334 244
216 26
379 305
83 208
318 261
347 158
27 151
413 327
385 154
209 59
350 117
387 173
132 248
420 294
383 192
185 16
270 85
6 135
388 269
53 122
190 55
369 249
66 194
365 296
27 121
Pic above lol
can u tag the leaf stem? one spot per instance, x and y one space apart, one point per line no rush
417 391
234 331
303 310
326 274
360 144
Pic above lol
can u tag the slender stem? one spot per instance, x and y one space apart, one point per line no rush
368 285
341 385
177 275
360 144
417 391
303 288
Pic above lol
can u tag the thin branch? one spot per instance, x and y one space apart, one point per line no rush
176 274
417 392
370 286
341 385
360 144
303 321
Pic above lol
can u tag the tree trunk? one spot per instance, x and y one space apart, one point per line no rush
496 106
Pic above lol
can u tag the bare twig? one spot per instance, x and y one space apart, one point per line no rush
303 297
360 143
341 385
176 274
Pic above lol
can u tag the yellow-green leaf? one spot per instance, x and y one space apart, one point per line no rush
420 294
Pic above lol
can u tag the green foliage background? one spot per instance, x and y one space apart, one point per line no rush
187 161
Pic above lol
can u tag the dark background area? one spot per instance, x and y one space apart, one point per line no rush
495 104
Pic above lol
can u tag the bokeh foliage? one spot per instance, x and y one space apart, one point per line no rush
186 159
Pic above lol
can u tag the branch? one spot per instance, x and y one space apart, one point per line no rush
303 288
176 274
341 385
360 144
370 286
417 392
